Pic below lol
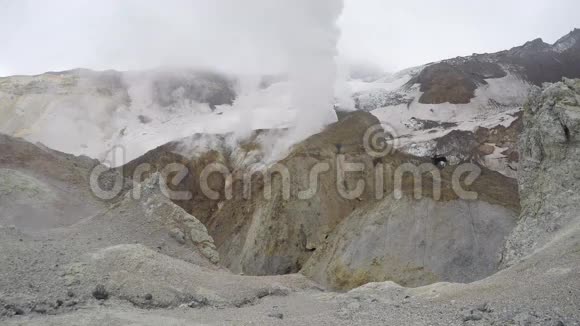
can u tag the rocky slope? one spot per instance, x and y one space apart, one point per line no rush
549 174
42 188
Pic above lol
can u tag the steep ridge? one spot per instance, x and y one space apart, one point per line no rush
455 80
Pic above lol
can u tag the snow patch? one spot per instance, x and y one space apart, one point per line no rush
494 104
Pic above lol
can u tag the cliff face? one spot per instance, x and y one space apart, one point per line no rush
413 243
550 168
278 235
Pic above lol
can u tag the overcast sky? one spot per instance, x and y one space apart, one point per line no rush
239 35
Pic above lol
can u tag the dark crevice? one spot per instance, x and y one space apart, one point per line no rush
566 132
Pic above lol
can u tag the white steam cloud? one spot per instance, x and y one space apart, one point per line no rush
244 40
299 39
312 68
310 36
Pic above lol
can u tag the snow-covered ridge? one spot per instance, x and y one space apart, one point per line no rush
478 92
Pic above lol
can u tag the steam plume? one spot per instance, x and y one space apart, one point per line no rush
312 48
